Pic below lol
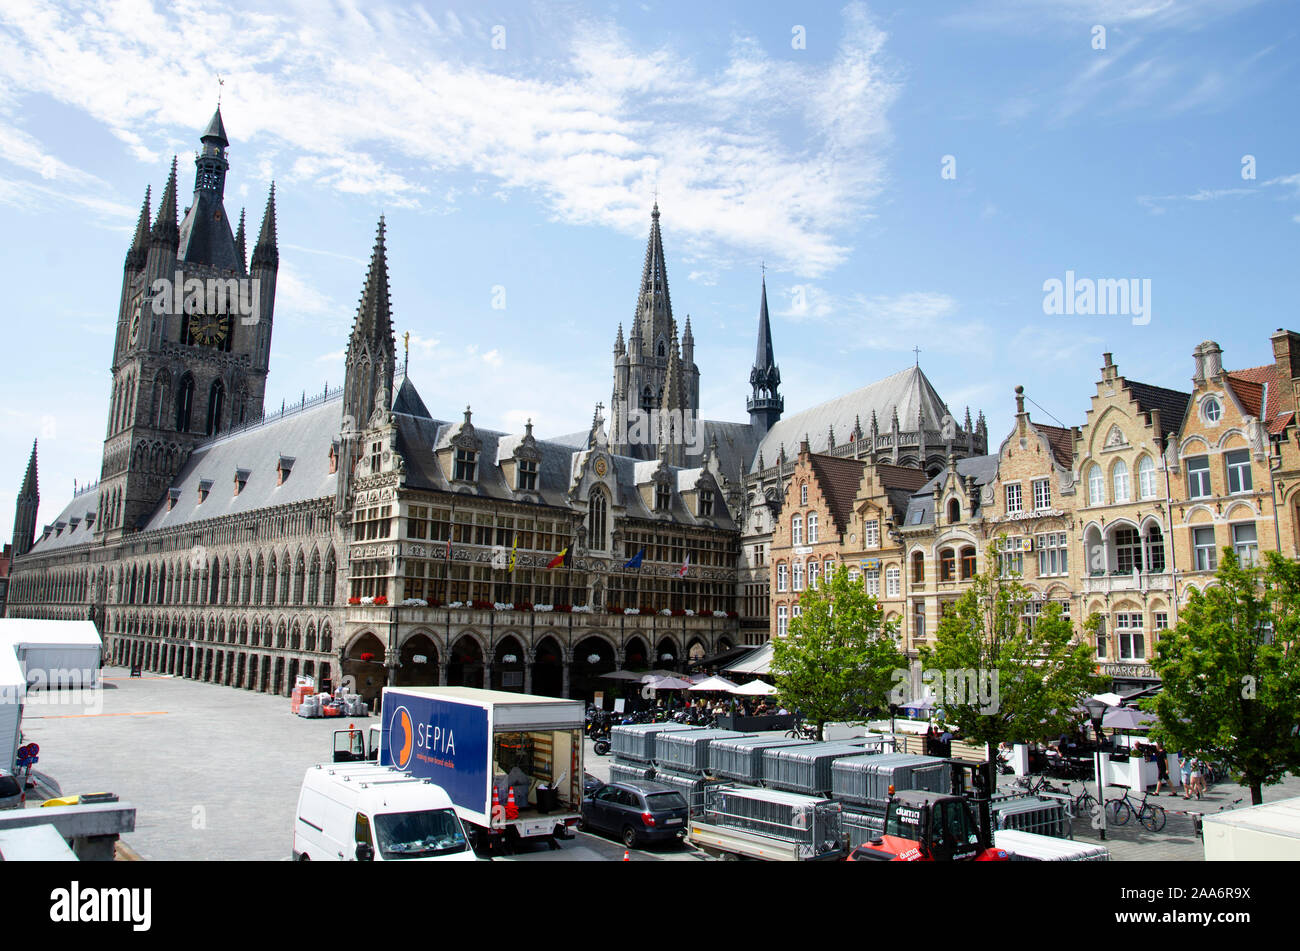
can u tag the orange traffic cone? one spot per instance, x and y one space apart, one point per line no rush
627 856
512 810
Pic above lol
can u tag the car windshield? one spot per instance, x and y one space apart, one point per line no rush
662 801
414 835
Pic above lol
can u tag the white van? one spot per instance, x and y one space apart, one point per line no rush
364 812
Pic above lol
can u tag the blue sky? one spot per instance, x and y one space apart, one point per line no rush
532 168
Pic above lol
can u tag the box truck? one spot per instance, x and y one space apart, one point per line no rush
365 812
487 748
1269 832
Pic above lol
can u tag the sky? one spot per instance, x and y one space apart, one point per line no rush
911 175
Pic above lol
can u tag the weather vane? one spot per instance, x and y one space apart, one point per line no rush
220 82
406 341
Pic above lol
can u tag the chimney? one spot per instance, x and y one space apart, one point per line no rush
1198 355
1286 354
1213 360
1108 369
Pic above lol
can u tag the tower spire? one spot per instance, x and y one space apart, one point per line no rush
371 353
135 257
266 251
240 243
29 500
765 403
165 231
654 307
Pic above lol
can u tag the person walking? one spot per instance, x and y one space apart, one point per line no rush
1162 769
1185 771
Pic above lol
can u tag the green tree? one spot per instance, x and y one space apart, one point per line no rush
838 661
1027 675
1230 672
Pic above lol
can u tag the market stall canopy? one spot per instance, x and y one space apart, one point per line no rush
1110 699
918 706
54 653
1128 718
670 683
760 662
622 675
714 683
756 688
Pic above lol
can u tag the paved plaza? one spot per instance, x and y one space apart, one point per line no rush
214 773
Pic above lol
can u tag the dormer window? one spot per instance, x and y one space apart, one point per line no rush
526 476
205 486
73 523
283 468
59 527
173 496
90 519
241 479
376 455
706 503
466 463
663 497
334 458
803 494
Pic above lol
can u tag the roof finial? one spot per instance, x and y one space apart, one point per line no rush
917 351
406 365
220 82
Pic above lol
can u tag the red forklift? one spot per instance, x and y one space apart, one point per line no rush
922 826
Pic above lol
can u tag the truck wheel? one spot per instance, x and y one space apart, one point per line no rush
601 747
630 838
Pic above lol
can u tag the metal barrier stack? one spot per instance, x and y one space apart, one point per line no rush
1033 814
689 751
862 825
630 772
636 741
866 780
807 769
810 823
741 759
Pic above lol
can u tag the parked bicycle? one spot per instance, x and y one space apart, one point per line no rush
802 731
1120 810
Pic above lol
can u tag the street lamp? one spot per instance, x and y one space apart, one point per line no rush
1096 711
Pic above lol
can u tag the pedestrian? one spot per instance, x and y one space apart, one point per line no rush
1162 768
1185 771
1198 777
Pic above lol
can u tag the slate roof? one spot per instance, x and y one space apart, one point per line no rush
908 391
1171 403
83 533
920 508
1061 441
839 480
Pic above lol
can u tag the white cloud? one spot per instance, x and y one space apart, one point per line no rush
381 102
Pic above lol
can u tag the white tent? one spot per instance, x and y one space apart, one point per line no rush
755 689
714 684
759 662
54 653
13 687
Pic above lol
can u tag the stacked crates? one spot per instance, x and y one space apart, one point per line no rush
630 772
862 825
693 788
806 769
1032 814
688 751
636 741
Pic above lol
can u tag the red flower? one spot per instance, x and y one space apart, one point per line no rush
354 600
380 599
367 657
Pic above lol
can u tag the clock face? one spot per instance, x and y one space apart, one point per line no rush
209 331
600 466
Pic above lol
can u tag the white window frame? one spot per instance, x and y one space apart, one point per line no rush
1130 634
1042 494
1248 551
782 577
1146 478
1096 486
1203 479
1053 554
1239 471
1206 556
803 494
871 582
796 530
814 575
871 533
893 575
782 620
1015 501
796 576
812 528
1119 481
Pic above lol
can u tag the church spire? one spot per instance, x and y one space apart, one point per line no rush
371 353
654 307
165 231
240 244
29 500
266 251
135 257
765 403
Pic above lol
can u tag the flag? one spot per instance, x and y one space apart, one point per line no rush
558 559
635 560
681 572
513 545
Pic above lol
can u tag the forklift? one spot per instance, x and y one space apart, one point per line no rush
922 826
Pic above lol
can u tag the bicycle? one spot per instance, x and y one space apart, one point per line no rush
1152 816
802 731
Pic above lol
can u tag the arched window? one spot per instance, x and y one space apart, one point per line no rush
285 569
216 404
967 564
1096 486
803 494
330 572
1146 478
1155 548
812 528
918 567
782 577
313 578
796 530
798 576
954 511
184 403
947 565
1119 481
597 509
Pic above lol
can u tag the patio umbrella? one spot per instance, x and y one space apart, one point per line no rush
1128 718
622 675
755 689
714 683
1110 699
670 683
918 706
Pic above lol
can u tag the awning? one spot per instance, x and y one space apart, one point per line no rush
760 662
723 657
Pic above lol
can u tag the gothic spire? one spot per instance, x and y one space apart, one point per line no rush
619 349
216 130
165 230
765 403
240 243
653 303
29 500
30 488
374 316
267 251
135 257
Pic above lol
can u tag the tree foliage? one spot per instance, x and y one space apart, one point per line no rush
838 661
1230 672
1038 671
